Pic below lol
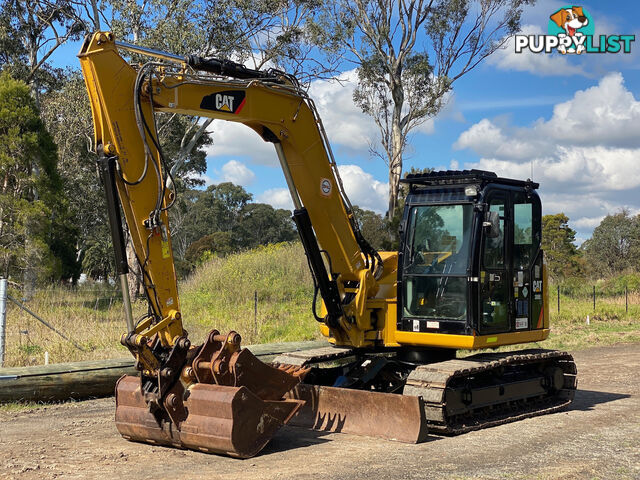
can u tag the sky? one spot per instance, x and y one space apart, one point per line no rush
571 123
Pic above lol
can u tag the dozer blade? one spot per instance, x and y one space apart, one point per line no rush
221 419
360 412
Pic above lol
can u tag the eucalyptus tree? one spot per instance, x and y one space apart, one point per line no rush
410 53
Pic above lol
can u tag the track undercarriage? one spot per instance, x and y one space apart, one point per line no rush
381 395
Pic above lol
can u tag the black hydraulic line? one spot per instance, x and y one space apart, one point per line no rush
224 67
107 167
327 286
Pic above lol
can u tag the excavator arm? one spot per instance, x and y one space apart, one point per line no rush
123 101
136 177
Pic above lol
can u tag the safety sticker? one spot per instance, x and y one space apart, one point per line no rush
522 323
325 187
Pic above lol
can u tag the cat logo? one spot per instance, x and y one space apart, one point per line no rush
230 101
224 102
537 286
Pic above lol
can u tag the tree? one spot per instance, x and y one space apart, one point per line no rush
561 254
375 228
67 114
261 224
199 213
614 245
27 201
409 54
218 243
36 29
98 261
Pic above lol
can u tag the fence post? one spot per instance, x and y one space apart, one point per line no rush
558 298
3 318
626 299
594 298
255 314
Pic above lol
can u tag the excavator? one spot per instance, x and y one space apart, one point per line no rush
469 274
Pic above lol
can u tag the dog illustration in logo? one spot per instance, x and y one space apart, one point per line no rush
570 19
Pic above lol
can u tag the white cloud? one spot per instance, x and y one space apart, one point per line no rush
342 118
237 172
277 198
487 139
541 64
606 113
585 156
363 190
237 140
588 222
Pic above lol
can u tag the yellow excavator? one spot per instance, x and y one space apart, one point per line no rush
469 274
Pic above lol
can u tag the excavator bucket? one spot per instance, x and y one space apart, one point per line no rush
221 419
233 407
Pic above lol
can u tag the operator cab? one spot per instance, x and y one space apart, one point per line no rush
470 261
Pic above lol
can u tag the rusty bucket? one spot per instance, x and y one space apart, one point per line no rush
233 404
221 419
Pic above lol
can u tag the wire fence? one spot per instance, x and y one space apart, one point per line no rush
63 324
58 323
562 297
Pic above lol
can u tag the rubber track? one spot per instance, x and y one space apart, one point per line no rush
430 382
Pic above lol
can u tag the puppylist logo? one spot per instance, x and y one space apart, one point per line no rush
571 31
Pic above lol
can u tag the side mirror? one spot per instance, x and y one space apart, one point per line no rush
491 224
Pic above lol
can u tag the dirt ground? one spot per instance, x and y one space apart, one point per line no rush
599 437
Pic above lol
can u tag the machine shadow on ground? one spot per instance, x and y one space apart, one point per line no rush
289 438
585 400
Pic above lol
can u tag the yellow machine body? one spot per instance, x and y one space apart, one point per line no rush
289 114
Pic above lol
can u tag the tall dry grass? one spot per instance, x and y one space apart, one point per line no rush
220 294
90 315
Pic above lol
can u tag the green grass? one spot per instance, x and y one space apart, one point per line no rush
609 323
220 294
17 407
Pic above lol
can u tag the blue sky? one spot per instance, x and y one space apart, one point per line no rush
576 118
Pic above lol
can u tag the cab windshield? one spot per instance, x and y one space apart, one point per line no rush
436 261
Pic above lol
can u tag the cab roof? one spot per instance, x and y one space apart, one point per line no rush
458 178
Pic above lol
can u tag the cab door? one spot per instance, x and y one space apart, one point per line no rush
495 306
527 261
